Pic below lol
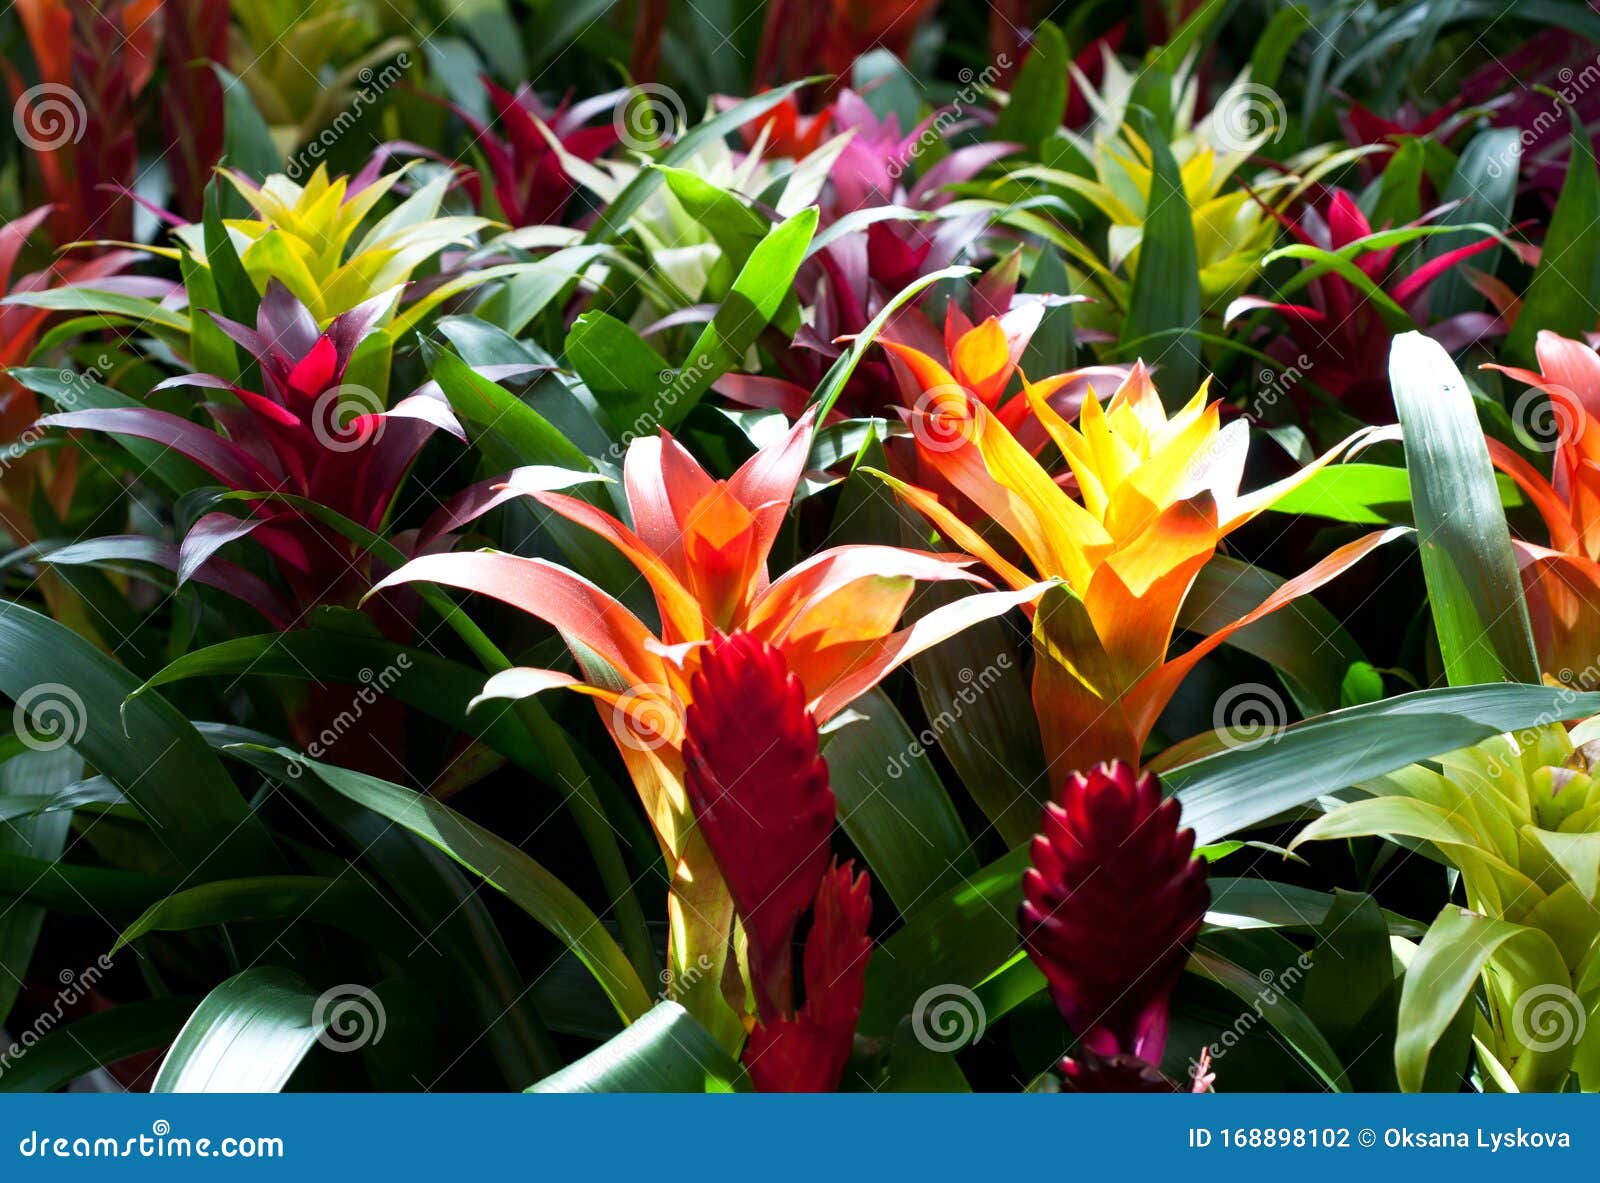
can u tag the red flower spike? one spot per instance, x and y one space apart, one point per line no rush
808 1053
1111 908
759 790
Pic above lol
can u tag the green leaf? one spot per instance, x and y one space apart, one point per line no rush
1304 642
538 286
210 349
444 689
149 751
615 216
79 1047
1485 184
736 227
1367 494
348 904
969 933
506 429
620 369
1474 589
1458 948
1053 349
975 696
665 1051
247 1036
893 806
1165 294
833 382
43 838
142 310
487 855
1352 968
247 145
1273 1005
1260 903
1039 96
1564 294
1231 791
1273 45
958 939
758 292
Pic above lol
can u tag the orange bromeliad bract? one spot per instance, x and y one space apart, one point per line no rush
702 545
1156 494
1562 581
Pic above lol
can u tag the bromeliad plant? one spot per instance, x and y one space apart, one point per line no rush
1155 495
1519 817
702 545
855 785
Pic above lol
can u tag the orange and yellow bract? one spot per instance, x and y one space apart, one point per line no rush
1155 495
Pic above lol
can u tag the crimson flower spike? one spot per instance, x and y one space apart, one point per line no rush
807 1053
759 789
1111 907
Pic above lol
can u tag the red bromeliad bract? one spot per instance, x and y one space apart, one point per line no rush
1111 908
759 789
755 777
807 1053
309 435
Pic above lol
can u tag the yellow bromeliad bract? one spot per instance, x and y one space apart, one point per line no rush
1155 495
